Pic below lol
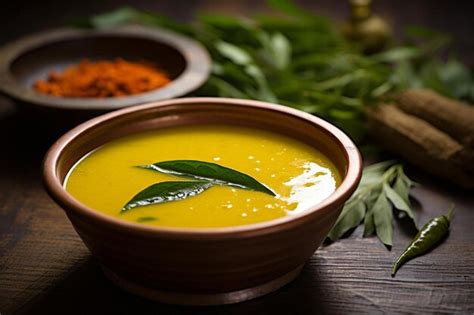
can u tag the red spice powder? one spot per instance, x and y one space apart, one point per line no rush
103 78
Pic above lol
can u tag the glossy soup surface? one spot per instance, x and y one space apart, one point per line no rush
301 176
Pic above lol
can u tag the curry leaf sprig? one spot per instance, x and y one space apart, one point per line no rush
300 59
382 185
203 176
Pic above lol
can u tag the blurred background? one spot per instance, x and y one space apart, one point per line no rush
21 17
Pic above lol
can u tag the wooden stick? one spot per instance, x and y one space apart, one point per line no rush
420 143
453 117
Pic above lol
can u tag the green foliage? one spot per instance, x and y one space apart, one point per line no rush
299 59
166 192
381 187
203 176
210 172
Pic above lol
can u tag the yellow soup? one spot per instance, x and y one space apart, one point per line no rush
106 179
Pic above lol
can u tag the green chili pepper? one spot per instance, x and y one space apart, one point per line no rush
427 238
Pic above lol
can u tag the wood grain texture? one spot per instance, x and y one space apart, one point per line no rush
420 143
46 269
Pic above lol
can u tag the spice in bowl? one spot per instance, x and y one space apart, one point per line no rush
103 78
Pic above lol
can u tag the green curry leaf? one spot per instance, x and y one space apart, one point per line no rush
382 185
166 192
234 53
350 217
146 219
402 187
369 226
383 219
398 201
210 172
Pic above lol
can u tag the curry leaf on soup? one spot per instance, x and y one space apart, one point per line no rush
166 192
146 219
210 172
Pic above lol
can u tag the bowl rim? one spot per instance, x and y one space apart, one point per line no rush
197 67
69 203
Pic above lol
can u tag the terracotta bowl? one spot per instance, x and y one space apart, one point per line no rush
203 266
33 57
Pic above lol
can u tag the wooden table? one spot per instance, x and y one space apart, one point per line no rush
46 269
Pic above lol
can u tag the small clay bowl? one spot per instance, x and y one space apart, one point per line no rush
32 58
203 266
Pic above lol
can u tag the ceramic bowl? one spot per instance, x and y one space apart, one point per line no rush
32 58
203 266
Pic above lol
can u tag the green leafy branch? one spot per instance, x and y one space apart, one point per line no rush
381 187
301 60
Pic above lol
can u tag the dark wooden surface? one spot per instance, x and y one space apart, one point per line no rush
46 269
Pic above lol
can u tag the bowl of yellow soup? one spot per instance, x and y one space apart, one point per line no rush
203 201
